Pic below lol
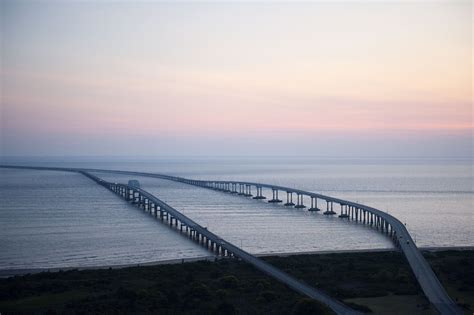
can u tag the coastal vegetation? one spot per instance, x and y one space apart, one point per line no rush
369 282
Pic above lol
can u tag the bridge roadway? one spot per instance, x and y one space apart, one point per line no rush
387 223
215 243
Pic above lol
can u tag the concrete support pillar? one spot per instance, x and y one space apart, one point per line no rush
259 193
344 211
289 199
329 210
299 201
248 191
274 196
314 204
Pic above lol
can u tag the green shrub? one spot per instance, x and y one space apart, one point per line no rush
199 291
229 282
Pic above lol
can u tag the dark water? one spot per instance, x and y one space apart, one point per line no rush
40 226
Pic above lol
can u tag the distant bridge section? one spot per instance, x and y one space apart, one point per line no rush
383 221
159 209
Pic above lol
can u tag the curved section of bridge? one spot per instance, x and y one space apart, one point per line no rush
383 221
159 209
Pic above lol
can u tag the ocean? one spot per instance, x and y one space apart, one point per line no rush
57 219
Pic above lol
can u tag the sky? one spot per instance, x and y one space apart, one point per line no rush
311 78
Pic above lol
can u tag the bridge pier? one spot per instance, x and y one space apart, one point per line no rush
299 201
241 190
259 194
314 204
274 196
289 199
248 191
329 211
343 213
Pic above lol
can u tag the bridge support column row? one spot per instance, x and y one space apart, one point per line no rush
289 199
274 196
248 191
226 187
299 201
314 204
259 194
329 211
141 201
343 214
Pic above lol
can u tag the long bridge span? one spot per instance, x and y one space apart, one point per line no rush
159 209
383 221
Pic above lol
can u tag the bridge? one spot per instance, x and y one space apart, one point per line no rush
349 210
148 202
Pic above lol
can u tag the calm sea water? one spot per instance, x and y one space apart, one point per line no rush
56 219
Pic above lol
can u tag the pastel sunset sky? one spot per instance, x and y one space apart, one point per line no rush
157 78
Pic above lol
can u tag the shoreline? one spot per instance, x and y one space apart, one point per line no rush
6 273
